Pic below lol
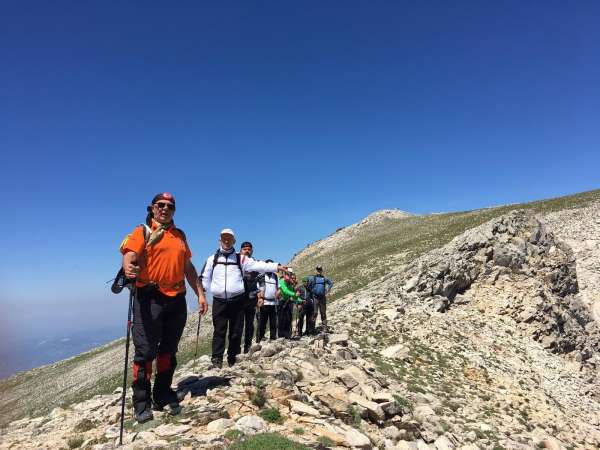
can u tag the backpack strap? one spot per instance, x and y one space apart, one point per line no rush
267 276
238 261
147 232
182 234
227 263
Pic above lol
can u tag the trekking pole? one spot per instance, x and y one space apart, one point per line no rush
276 318
132 294
197 337
257 317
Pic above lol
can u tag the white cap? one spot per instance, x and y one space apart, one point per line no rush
290 270
228 231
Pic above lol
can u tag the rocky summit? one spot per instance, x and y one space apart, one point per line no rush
479 331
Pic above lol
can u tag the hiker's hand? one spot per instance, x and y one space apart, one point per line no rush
260 302
131 270
202 307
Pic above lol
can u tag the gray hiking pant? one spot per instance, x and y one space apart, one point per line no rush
321 307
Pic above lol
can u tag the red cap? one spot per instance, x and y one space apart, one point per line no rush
164 196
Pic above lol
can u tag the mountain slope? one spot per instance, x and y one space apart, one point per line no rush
506 357
356 255
98 371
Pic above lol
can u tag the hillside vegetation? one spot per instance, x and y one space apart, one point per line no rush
354 258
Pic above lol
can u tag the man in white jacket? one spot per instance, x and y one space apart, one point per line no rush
268 298
223 274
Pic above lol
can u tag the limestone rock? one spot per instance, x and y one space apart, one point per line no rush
167 430
443 443
302 408
336 438
399 351
251 425
406 445
356 439
374 410
338 339
219 425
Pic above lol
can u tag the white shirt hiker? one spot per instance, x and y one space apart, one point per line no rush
269 286
225 280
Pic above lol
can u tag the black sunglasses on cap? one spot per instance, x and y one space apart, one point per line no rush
163 205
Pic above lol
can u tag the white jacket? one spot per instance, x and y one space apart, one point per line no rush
269 287
225 280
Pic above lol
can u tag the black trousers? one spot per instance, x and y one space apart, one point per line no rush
158 323
248 321
307 310
321 307
284 316
268 313
227 316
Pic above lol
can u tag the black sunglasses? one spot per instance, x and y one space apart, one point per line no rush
163 205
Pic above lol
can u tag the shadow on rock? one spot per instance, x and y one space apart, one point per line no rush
198 386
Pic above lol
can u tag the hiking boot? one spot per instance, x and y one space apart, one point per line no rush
181 394
231 361
166 398
162 394
246 350
173 408
143 416
217 363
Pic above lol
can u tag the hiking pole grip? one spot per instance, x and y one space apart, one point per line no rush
132 294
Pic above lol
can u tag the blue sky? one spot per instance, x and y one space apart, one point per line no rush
283 120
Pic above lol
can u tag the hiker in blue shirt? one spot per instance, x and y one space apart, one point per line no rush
319 286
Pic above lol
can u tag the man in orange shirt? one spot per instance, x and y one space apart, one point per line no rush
158 256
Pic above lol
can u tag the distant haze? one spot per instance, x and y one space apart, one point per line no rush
29 352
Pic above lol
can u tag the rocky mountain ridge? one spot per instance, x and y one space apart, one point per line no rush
489 342
536 272
345 233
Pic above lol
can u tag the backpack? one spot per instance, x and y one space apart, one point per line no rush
237 263
120 281
318 287
227 263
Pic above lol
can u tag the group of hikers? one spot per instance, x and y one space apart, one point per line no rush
157 259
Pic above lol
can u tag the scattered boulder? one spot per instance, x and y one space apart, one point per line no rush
397 351
303 409
338 339
251 425
219 425
167 430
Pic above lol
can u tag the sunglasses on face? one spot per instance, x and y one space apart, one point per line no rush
163 205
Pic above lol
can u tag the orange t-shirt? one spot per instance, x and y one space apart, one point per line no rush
164 262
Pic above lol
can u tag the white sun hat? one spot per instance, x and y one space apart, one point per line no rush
227 231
